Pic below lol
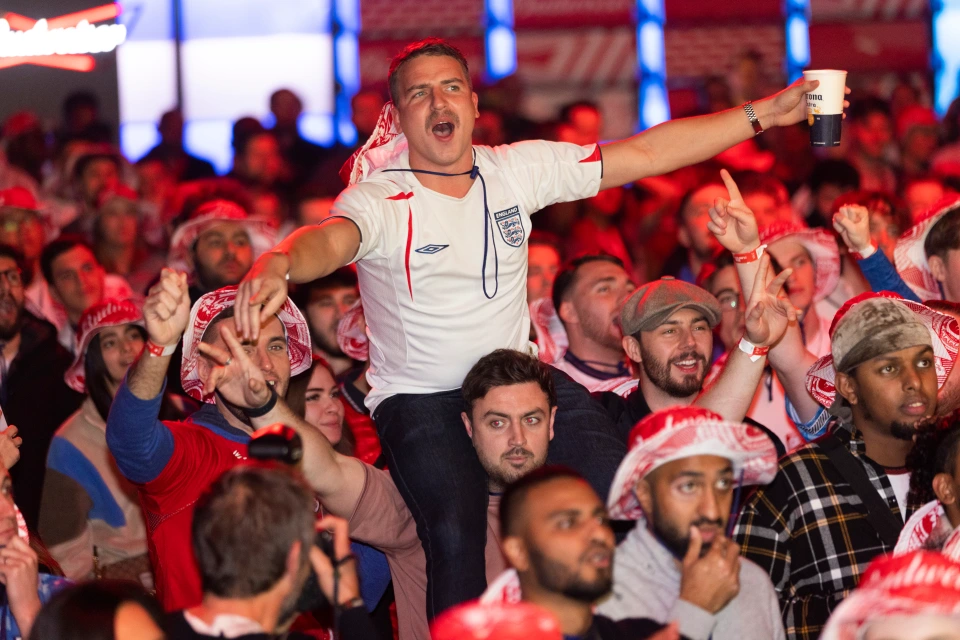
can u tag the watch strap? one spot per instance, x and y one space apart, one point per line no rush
752 117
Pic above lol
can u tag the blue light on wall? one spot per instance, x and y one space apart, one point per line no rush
346 65
945 57
652 103
500 40
797 36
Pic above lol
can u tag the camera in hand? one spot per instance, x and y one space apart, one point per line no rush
280 443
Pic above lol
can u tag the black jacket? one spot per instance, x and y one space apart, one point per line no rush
38 401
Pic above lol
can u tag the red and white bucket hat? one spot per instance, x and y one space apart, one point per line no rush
514 621
682 432
928 522
208 307
263 237
106 314
909 256
916 584
505 589
951 548
352 333
944 335
819 243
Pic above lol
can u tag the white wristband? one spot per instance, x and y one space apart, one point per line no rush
752 350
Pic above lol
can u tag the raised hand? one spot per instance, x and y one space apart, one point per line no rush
790 107
768 313
712 581
852 222
19 574
238 379
166 310
261 294
10 447
732 222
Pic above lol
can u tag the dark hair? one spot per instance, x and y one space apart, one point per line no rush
244 526
688 196
512 502
865 107
95 375
87 611
566 112
935 451
243 130
944 236
944 306
14 254
297 402
425 47
85 160
342 278
209 335
721 260
753 183
56 249
836 172
540 238
568 275
503 368
80 100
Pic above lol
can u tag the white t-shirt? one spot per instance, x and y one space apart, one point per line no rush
900 483
432 310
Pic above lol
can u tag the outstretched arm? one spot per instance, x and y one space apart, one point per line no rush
306 254
687 141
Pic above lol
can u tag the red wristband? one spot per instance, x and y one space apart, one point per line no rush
157 351
752 256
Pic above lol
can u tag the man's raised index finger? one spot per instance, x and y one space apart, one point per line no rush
732 188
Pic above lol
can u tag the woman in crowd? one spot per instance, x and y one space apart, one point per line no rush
315 397
90 516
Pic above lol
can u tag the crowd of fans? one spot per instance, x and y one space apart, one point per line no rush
706 392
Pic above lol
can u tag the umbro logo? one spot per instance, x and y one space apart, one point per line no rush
431 249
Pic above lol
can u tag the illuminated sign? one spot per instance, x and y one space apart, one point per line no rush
64 42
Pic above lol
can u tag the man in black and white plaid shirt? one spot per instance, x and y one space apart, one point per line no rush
810 528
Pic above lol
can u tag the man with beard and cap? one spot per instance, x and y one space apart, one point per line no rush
510 404
681 481
241 387
324 302
841 501
587 295
33 395
557 537
217 245
438 229
667 333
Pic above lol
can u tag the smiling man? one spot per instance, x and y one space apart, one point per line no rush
841 501
439 230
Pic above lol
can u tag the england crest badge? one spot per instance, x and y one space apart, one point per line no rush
511 226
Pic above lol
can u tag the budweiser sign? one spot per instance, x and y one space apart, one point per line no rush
64 42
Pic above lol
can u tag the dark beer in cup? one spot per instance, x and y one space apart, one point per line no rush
825 106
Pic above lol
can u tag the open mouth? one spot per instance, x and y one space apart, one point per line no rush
443 130
691 365
915 408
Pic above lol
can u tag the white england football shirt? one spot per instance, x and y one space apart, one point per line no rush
433 305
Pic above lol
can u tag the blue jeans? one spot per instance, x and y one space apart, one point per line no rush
436 470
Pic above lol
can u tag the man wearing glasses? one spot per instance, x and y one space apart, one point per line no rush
33 394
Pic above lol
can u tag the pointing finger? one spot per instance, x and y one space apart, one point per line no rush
732 188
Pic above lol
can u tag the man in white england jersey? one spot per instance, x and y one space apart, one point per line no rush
438 229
